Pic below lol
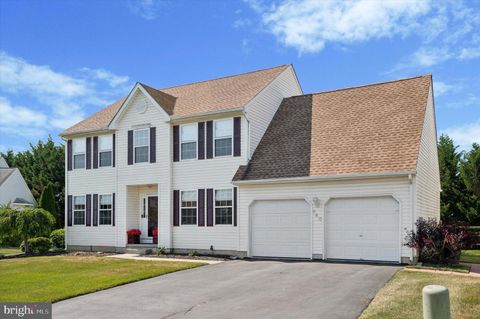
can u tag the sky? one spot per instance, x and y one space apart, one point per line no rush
61 61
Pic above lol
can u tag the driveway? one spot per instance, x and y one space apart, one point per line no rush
239 289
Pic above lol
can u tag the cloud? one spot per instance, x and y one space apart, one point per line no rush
308 25
146 9
465 135
441 88
469 53
102 74
20 120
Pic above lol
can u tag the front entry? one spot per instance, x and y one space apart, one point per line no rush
148 218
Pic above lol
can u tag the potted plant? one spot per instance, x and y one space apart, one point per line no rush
155 236
134 236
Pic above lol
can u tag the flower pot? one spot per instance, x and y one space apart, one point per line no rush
133 239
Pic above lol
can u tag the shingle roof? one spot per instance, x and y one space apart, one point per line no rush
225 93
369 129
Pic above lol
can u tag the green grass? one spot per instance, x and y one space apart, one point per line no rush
470 256
35 279
454 268
402 296
10 251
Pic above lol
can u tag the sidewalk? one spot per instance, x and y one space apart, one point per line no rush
138 257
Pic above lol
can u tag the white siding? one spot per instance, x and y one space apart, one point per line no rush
263 107
14 187
428 176
399 188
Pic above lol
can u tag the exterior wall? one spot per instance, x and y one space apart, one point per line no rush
263 107
428 174
14 187
399 188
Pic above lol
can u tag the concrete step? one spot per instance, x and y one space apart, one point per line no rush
141 249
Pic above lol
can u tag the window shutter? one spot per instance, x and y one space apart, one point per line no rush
176 203
89 153
130 147
95 209
69 155
201 141
88 210
69 210
113 150
176 143
210 207
201 207
95 152
153 144
210 139
235 205
237 136
113 209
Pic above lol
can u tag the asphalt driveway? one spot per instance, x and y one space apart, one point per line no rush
239 289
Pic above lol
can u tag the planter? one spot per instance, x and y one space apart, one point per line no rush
133 239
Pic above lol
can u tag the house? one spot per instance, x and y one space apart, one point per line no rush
248 165
13 189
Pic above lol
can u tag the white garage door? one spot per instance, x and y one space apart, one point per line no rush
363 229
280 228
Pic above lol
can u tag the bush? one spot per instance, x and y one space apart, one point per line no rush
193 253
161 251
38 245
57 237
438 243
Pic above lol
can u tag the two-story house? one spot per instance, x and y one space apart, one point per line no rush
247 165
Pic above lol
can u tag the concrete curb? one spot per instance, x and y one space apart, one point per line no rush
138 257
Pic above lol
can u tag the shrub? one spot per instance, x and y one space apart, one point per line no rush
439 243
192 253
57 237
38 245
161 251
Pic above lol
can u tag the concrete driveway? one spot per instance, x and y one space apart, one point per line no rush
239 289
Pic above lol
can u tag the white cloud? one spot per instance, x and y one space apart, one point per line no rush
441 88
308 25
20 120
146 9
465 135
469 53
101 74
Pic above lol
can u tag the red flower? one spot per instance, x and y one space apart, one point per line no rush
134 232
155 232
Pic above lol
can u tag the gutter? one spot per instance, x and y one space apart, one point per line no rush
77 134
303 179
206 114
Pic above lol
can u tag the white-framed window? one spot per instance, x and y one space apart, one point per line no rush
79 210
223 137
105 150
224 206
188 141
79 149
141 145
105 209
188 205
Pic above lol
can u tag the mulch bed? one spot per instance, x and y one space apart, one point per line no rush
219 258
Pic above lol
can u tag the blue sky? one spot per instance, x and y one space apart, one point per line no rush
61 61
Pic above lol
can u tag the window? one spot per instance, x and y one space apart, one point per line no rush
141 142
79 210
79 148
223 207
105 210
223 137
188 141
105 148
189 208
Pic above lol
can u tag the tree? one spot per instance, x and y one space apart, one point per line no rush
47 202
27 223
470 173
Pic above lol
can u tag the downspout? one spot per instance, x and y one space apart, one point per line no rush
65 197
412 207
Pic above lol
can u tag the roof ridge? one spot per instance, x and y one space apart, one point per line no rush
223 77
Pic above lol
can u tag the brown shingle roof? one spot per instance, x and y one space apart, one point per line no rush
200 97
369 129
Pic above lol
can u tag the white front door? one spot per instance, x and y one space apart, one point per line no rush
148 217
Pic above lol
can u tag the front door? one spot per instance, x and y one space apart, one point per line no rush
148 218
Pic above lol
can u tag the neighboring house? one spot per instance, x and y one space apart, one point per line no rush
247 165
13 189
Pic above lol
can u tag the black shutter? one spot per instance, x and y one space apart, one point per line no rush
113 150
201 207
95 209
235 200
176 143
237 136
69 210
113 209
153 145
176 203
210 139
210 207
88 211
201 141
69 155
89 153
130 147
95 152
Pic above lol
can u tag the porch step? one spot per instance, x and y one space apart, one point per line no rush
140 249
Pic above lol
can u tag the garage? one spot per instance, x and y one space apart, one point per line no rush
281 228
362 229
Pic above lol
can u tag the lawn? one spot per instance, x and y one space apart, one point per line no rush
9 251
402 296
455 268
470 256
59 277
